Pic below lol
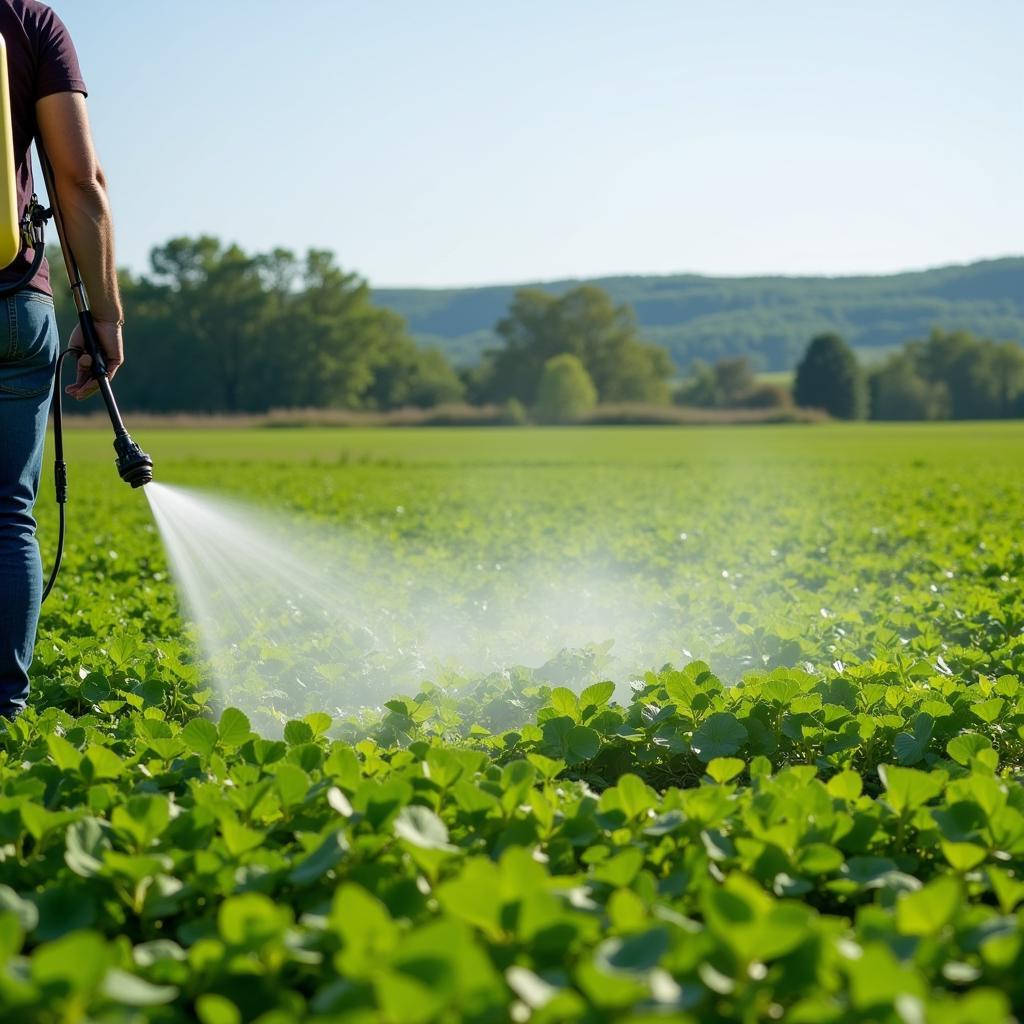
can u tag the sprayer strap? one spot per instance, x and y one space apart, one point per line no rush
32 225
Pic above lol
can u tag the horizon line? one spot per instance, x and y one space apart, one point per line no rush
764 275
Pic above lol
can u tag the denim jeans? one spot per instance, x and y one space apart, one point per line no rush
28 352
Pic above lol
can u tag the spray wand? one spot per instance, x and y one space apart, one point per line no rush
133 464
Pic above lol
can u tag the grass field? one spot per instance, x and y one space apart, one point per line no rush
941 444
782 378
795 797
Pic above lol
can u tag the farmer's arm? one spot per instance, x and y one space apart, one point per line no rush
82 193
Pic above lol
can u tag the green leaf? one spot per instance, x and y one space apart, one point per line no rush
234 728
319 722
292 784
101 763
39 821
965 747
365 928
989 710
517 778
780 690
963 856
251 920
296 733
324 858
752 924
565 703
12 936
596 696
130 990
931 908
380 801
239 838
339 802
722 769
846 785
636 798
665 824
422 827
146 954
471 896
550 768
1009 891
681 690
911 747
308 756
266 752
122 649
65 756
533 990
818 859
407 999
878 980
906 789
79 960
343 765
637 954
214 1009
24 911
85 844
583 743
442 766
142 817
720 735
621 869
200 736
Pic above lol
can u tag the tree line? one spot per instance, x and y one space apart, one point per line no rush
212 328
768 319
948 375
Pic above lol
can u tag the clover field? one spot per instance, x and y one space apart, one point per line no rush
790 790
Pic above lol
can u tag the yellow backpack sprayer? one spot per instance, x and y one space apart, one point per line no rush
26 231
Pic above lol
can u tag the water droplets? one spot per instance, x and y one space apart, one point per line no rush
294 617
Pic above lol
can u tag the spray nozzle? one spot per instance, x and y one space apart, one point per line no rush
134 465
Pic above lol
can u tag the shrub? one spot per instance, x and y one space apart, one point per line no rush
513 414
566 391
765 396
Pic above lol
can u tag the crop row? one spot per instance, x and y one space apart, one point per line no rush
814 849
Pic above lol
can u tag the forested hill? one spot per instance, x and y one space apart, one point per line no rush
769 319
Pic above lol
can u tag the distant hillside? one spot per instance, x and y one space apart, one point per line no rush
769 319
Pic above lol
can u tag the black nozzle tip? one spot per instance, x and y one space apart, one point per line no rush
137 474
134 465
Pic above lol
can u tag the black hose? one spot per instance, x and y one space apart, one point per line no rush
39 251
60 469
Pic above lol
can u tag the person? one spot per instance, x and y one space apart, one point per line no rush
48 99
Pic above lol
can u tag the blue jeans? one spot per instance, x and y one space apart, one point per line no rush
28 352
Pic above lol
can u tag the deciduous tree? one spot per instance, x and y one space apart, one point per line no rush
830 378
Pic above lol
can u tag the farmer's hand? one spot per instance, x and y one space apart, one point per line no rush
112 347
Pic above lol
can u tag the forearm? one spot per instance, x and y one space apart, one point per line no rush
81 193
89 230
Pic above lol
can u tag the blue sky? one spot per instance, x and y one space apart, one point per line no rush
471 142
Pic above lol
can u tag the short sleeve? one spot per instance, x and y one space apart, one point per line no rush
57 68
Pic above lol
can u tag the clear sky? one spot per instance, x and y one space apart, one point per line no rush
468 141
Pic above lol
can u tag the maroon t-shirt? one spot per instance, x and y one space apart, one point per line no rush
41 60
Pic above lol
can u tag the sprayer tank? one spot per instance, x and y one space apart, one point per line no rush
10 231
